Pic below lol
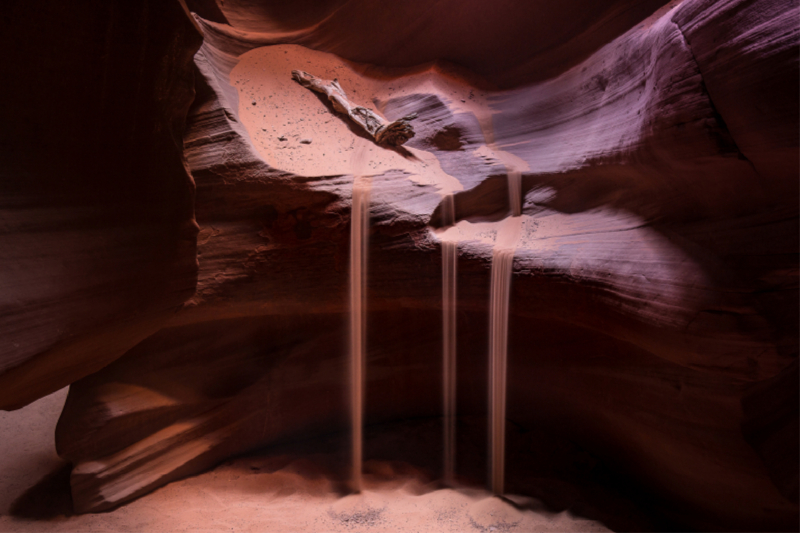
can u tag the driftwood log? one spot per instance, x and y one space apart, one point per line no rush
392 134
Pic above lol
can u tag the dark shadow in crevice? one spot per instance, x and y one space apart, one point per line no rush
51 497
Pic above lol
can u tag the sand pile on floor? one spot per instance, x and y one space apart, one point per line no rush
243 495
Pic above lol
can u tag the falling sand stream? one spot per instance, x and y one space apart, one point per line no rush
502 263
359 239
499 300
449 262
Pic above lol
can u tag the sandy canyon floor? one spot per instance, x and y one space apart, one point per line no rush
281 491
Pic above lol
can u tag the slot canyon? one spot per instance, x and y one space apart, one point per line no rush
568 302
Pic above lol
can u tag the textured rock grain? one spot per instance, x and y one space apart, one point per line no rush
653 315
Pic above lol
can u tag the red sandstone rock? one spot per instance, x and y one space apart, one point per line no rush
98 238
653 309
507 42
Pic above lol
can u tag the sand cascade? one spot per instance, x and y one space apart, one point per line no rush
449 270
499 301
359 241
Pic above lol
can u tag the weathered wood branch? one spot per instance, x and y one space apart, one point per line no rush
393 133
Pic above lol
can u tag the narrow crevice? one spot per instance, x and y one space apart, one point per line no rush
726 141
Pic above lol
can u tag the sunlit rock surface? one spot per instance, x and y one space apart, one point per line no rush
654 317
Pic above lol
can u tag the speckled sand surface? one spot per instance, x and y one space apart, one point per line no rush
279 113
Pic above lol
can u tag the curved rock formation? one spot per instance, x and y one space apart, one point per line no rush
654 316
506 42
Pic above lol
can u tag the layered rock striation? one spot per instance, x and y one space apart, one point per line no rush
654 293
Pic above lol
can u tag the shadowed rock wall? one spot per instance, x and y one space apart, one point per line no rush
654 296
96 205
